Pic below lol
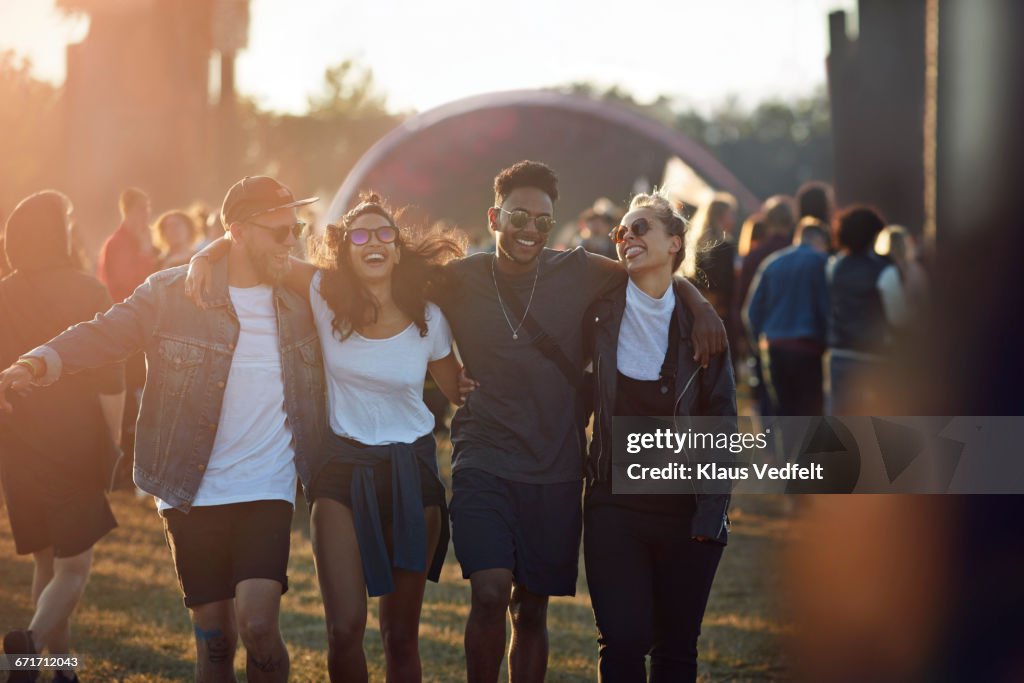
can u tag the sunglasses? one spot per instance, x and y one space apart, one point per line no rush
640 228
280 232
386 234
519 219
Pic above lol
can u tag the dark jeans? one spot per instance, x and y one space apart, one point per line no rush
795 378
649 584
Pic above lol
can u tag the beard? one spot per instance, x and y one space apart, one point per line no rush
506 248
268 269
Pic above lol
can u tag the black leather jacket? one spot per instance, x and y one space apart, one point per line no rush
712 393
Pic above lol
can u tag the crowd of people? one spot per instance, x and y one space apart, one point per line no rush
231 370
814 299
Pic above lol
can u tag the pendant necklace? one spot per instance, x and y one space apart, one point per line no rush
494 277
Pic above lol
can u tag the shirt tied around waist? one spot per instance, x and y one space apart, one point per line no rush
409 525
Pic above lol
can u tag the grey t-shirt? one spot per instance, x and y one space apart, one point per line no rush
521 423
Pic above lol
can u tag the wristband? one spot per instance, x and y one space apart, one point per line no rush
34 366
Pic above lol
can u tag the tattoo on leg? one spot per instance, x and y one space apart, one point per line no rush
267 665
203 636
218 648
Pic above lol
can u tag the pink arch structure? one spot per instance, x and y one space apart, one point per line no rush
465 123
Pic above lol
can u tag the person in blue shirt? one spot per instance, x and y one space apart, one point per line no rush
788 307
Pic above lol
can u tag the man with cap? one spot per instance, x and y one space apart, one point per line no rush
232 409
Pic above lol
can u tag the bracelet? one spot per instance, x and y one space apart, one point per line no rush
33 365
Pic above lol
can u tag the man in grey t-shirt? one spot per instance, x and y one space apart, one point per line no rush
518 440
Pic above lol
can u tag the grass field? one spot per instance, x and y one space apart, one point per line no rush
131 625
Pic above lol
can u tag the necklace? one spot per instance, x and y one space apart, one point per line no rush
515 330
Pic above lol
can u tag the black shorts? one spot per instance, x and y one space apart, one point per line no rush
70 522
216 547
531 529
335 482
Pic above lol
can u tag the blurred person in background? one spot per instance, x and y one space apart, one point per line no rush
751 234
593 227
904 282
126 259
650 559
79 256
711 251
814 199
174 235
858 328
54 479
480 242
787 315
212 229
779 221
199 212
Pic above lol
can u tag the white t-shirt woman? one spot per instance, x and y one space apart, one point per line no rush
375 386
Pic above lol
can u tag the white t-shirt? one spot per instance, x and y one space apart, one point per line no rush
643 334
253 455
894 299
375 386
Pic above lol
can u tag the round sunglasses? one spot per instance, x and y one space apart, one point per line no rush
640 227
519 219
385 234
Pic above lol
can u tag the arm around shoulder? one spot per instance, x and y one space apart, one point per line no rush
300 276
709 338
445 367
446 374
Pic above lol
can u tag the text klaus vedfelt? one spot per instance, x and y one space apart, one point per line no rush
682 442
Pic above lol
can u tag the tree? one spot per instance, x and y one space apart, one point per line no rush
348 92
317 150
28 118
772 149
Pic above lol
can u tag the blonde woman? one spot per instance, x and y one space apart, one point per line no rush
711 251
650 559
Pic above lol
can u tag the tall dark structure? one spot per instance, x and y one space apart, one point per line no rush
877 92
137 102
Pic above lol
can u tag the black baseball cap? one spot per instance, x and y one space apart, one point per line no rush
256 194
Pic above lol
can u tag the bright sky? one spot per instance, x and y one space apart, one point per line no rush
426 53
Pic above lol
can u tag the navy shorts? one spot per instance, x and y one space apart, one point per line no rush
531 529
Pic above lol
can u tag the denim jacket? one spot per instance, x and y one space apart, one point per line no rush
188 356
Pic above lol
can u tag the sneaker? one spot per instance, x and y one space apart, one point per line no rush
20 643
